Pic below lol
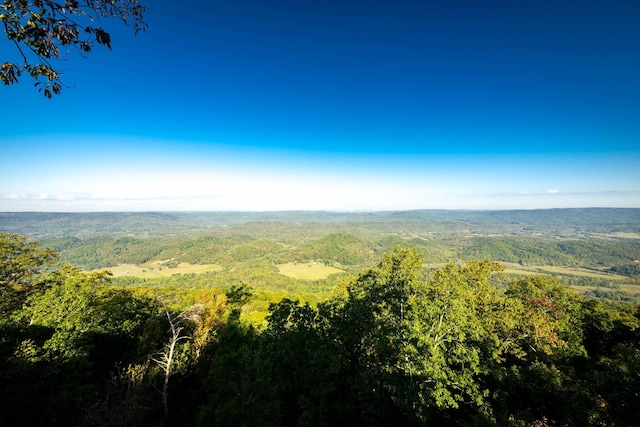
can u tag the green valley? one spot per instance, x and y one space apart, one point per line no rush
592 249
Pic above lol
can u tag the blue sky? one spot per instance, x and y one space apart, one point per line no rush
338 105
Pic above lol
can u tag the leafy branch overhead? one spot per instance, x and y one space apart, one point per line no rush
44 31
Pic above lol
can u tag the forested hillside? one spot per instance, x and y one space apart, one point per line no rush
399 343
599 261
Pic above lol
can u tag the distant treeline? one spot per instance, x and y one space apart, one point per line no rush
548 222
630 270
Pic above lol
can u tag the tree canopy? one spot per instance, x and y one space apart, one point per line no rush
43 31
21 261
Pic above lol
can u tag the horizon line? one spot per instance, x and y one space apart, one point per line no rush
317 210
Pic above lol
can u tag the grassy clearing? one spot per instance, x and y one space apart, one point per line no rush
585 289
513 268
555 270
576 271
518 269
155 269
625 235
307 271
629 287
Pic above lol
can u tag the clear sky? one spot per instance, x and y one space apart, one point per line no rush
337 105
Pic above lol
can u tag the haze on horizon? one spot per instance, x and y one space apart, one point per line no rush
340 106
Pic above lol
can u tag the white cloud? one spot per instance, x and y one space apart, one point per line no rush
530 193
289 191
43 196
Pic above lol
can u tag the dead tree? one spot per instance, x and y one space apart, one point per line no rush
166 358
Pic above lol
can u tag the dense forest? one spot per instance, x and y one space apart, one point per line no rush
392 320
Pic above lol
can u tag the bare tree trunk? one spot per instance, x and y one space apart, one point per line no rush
165 359
175 337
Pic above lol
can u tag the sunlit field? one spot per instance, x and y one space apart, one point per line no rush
156 269
307 271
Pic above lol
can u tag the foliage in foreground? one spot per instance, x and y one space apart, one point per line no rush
43 31
389 347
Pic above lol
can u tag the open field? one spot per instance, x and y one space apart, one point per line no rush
514 268
155 269
555 270
308 270
631 288
623 235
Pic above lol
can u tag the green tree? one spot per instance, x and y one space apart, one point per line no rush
539 377
240 389
612 340
388 348
21 262
297 349
372 330
43 30
65 344
551 316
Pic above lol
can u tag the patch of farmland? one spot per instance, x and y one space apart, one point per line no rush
307 271
155 269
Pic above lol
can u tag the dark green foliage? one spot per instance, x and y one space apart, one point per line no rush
65 343
304 363
238 295
238 388
631 270
339 248
101 252
538 251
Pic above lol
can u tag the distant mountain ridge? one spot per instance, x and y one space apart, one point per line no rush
41 225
